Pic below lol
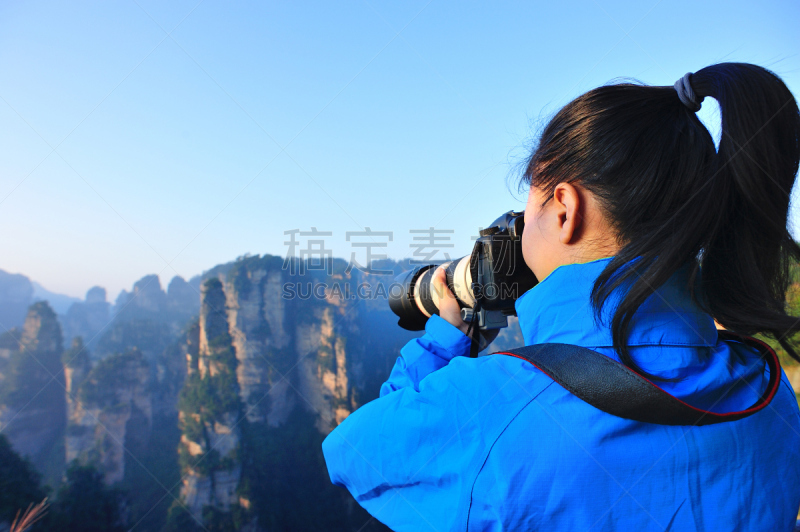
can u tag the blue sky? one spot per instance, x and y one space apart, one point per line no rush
143 137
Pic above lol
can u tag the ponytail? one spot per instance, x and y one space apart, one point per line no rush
749 252
673 200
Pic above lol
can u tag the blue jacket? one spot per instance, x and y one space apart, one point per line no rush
491 443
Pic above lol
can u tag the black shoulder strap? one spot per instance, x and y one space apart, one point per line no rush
616 389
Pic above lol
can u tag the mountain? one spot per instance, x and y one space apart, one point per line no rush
60 303
205 405
16 294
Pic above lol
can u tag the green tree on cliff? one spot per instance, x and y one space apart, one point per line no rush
85 504
19 483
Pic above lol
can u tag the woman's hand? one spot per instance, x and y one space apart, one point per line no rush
451 311
448 304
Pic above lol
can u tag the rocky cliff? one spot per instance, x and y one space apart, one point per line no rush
127 377
102 403
32 398
304 352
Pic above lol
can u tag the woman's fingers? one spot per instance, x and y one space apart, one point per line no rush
449 309
440 285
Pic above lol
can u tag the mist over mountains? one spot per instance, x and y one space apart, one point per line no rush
203 404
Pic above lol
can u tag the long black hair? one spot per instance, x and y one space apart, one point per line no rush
674 200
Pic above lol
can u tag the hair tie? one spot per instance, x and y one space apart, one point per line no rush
686 93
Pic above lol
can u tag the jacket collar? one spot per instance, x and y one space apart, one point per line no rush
559 310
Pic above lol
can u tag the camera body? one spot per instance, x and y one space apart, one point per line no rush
486 283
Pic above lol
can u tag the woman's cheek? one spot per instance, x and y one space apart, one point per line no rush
529 248
538 249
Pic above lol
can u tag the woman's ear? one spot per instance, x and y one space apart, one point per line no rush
568 205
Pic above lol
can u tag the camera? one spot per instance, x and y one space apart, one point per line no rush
486 282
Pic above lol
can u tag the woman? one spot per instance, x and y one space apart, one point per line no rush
628 198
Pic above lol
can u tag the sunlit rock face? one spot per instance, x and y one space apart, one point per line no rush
260 328
305 338
211 412
32 396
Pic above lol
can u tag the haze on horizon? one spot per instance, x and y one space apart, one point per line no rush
140 138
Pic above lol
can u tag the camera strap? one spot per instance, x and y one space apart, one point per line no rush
473 331
617 390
